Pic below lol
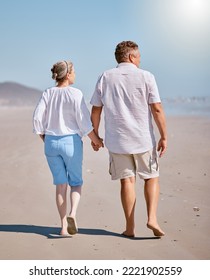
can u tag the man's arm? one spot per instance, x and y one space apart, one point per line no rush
96 118
159 117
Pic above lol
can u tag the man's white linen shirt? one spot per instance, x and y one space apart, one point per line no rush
62 111
126 93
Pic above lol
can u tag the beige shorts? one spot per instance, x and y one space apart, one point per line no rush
128 165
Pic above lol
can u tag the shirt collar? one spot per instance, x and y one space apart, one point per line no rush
126 64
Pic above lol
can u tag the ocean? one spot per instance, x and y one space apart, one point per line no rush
187 106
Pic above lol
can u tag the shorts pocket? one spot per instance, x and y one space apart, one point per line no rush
69 149
153 164
50 147
112 170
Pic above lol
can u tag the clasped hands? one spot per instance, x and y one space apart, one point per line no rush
98 145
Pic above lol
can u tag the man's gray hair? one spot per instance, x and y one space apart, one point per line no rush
123 50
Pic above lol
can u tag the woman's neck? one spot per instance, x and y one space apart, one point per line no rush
63 84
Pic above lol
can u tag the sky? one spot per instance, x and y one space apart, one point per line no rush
173 38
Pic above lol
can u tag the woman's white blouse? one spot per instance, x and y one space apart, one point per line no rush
62 111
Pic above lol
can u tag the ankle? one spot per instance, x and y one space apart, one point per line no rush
152 220
130 228
72 214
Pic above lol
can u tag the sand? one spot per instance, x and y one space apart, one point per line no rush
29 222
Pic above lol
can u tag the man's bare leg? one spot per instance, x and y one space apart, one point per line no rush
128 198
151 192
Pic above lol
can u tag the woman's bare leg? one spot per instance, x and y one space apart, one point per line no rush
62 206
75 195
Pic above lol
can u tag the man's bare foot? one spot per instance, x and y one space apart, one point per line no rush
156 229
129 235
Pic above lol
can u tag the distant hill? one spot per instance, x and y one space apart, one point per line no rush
14 94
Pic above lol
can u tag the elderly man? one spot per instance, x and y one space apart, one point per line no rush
130 98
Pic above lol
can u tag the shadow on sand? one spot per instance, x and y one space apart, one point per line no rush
53 232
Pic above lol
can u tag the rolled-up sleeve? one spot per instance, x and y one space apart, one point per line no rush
39 117
96 98
83 118
154 96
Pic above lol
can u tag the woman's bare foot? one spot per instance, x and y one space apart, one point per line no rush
64 232
156 229
72 225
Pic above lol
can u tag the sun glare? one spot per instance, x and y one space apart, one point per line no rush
186 24
193 12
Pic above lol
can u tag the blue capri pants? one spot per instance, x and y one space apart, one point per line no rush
64 156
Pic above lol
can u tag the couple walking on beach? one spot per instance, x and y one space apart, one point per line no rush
130 99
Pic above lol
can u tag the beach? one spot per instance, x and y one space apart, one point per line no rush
29 221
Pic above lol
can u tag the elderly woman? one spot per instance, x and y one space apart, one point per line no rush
61 119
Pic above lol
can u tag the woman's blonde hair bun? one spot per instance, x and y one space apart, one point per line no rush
60 69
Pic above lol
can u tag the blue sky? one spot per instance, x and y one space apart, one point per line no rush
173 37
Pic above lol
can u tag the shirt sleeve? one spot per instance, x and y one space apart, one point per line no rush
39 116
96 99
83 118
154 96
